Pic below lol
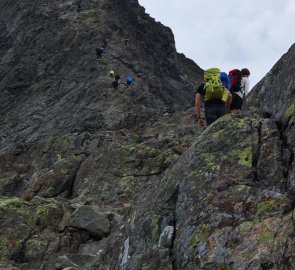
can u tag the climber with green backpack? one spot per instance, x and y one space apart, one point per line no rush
216 97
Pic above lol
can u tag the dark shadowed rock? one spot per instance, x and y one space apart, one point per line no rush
89 218
63 262
274 94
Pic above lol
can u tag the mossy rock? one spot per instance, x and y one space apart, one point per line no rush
245 156
272 206
290 112
26 217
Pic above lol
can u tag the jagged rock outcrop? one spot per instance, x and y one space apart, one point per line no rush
274 94
93 178
230 197
231 208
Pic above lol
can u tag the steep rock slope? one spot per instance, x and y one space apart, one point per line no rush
56 97
72 148
274 94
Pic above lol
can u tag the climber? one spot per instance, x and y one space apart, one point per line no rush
104 44
129 81
126 42
99 52
245 84
226 83
116 83
216 97
112 74
240 88
79 5
245 88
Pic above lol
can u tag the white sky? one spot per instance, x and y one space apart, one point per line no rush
229 33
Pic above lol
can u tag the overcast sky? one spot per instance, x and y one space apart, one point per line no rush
229 33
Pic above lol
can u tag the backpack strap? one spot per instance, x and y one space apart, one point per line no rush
242 89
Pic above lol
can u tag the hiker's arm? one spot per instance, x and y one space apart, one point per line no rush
247 86
229 100
200 121
198 105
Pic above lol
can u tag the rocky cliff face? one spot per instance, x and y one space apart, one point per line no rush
57 99
94 178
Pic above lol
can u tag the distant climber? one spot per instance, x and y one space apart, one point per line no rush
99 52
126 42
102 49
245 84
104 43
79 5
116 83
129 81
216 97
112 74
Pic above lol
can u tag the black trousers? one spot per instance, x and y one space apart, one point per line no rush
213 112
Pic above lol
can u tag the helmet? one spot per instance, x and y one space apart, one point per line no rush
112 73
129 79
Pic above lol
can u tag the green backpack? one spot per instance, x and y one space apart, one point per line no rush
212 84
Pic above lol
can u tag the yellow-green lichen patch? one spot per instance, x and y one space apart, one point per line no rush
196 174
21 209
62 166
48 144
211 163
293 216
35 247
171 158
132 219
196 178
246 225
4 248
245 156
219 134
272 206
290 85
155 227
243 188
67 142
105 189
143 151
126 182
290 112
34 164
165 264
46 213
263 236
154 223
26 217
7 178
13 202
199 236
242 123
132 149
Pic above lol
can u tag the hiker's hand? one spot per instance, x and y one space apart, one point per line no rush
201 122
